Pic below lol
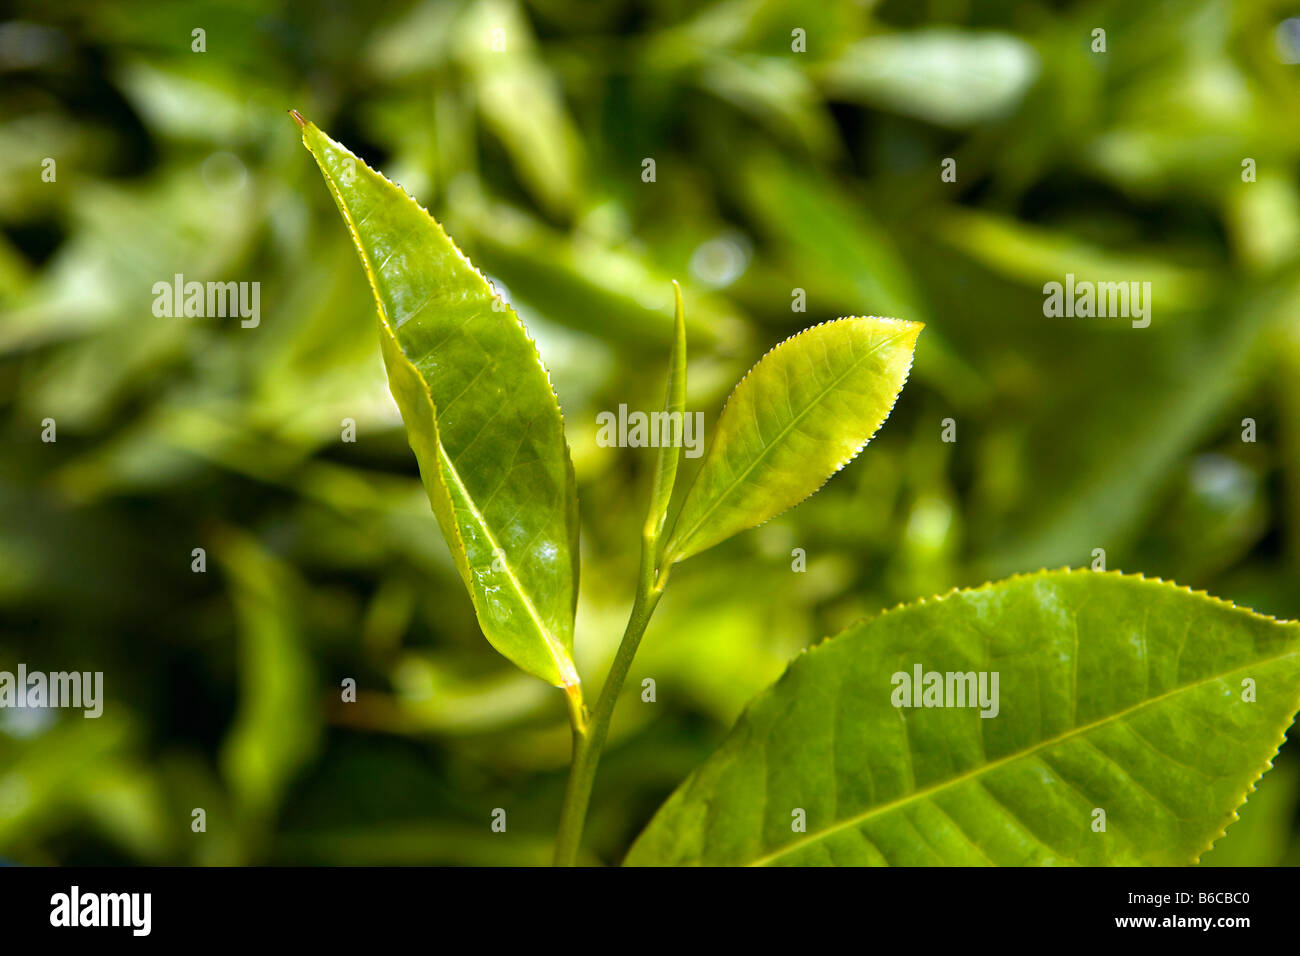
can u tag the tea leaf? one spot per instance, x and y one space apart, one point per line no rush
480 414
802 413
1119 694
670 455
1263 833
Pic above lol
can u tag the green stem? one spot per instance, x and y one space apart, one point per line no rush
589 735
589 739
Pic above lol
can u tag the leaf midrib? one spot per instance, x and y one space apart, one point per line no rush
558 653
769 446
557 650
975 773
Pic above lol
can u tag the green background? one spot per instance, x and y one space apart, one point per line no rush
775 171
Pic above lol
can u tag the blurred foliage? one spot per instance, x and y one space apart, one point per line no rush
776 171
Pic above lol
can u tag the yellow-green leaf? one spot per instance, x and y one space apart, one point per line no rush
802 413
1129 720
665 475
480 413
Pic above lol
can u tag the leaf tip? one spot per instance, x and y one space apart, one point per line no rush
911 330
297 118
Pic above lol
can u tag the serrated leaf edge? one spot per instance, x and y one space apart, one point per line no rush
1044 573
1040 574
904 326
563 661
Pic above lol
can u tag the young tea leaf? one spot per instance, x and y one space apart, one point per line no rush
1129 721
482 419
670 455
803 412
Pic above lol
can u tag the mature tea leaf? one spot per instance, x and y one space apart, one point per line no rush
1115 693
480 414
802 413
1262 835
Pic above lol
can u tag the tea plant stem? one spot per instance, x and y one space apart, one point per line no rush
589 738
589 735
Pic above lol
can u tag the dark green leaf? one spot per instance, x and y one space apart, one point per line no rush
1115 693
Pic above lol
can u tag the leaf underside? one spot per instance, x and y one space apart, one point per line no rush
480 414
802 413
1116 693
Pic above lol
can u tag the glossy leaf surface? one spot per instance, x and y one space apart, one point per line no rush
1119 694
802 413
480 413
